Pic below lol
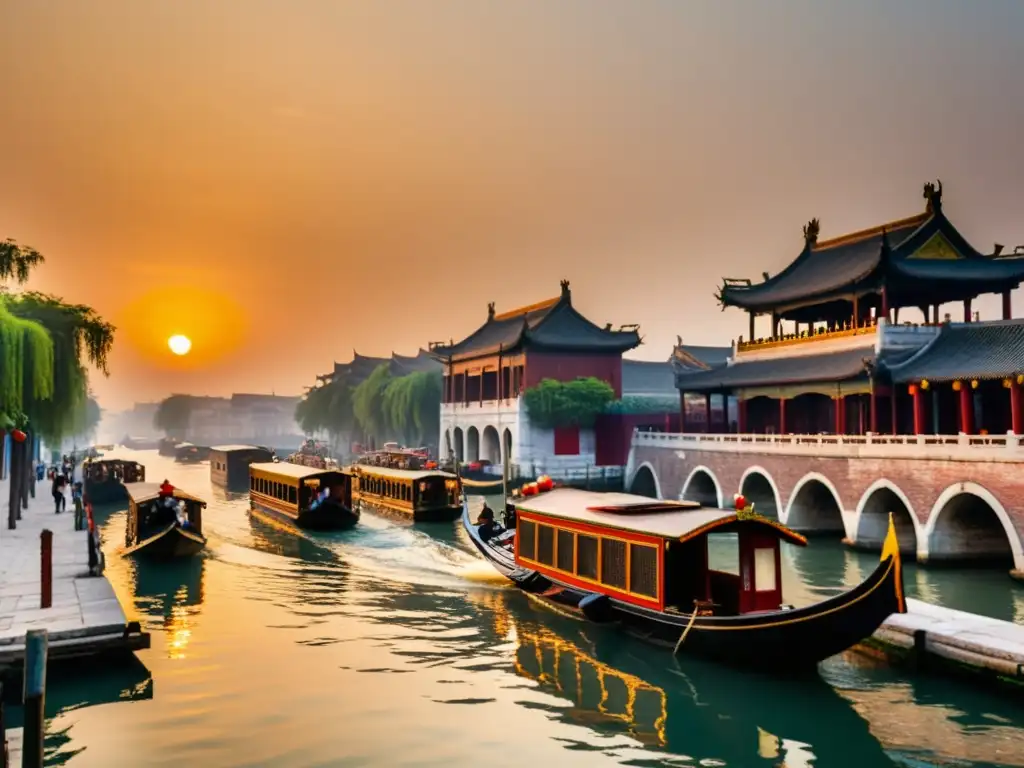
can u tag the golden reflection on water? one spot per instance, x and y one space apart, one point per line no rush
178 626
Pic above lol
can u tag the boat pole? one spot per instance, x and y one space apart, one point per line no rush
34 697
682 637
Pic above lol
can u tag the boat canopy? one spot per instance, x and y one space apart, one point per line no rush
294 471
233 448
403 474
140 493
639 514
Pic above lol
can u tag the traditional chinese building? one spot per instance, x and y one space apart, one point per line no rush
836 358
361 366
483 415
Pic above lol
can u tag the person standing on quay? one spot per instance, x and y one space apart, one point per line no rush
58 493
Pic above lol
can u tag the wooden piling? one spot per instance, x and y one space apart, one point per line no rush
34 697
45 568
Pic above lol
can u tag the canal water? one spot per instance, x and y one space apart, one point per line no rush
392 644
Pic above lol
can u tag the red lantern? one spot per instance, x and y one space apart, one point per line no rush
530 489
19 436
545 483
741 501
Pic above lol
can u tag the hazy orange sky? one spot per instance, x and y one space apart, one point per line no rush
314 176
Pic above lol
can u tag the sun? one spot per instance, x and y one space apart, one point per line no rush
179 345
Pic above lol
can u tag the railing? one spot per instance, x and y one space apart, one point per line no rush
786 340
981 447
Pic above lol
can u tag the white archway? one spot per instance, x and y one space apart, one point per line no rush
807 508
472 444
459 444
772 486
928 536
490 448
646 481
704 492
870 531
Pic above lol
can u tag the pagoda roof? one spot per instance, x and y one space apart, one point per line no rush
921 259
690 358
826 367
421 362
361 366
553 324
986 350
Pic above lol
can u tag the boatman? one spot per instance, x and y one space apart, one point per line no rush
487 526
166 489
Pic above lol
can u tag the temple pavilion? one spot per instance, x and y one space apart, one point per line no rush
856 344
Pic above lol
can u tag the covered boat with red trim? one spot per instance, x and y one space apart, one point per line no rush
703 580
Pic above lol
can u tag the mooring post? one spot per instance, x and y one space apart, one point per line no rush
34 697
45 568
3 731
920 648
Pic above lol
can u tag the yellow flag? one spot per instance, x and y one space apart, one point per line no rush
891 547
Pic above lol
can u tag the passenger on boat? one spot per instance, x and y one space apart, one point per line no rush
487 526
166 489
320 498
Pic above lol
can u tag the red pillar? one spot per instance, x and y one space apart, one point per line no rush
1006 305
837 403
782 416
682 411
874 412
1016 415
967 310
918 409
741 409
707 413
966 408
892 406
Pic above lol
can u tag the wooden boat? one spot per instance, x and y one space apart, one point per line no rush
138 443
289 492
103 480
167 446
163 521
424 495
616 557
190 454
229 464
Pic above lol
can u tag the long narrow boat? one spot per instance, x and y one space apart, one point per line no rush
616 557
293 493
423 495
104 480
163 521
229 464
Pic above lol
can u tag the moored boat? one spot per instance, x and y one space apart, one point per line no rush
309 497
104 480
423 495
229 464
647 565
188 453
163 521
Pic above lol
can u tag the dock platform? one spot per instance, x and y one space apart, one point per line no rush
944 639
85 617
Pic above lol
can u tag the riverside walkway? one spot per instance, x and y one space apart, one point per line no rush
85 617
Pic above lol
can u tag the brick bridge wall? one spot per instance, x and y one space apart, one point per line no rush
944 509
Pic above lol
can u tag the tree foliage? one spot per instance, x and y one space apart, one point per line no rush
327 408
44 347
641 405
411 406
368 403
553 404
173 414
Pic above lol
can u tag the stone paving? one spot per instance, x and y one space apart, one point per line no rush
82 604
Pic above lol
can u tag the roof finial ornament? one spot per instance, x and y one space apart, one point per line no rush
565 289
490 310
933 194
811 230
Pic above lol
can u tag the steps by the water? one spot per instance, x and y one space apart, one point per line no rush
85 616
945 639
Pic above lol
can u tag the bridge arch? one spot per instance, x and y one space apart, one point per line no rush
968 522
760 488
702 486
815 506
645 482
871 519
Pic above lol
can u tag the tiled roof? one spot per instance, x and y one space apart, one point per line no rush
990 350
422 362
923 254
697 358
834 366
553 324
642 377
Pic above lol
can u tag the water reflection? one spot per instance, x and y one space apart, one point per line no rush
169 596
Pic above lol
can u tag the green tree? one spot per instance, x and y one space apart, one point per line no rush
173 415
368 402
328 408
553 404
412 407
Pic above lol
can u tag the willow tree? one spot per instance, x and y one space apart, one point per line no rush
411 405
327 408
368 403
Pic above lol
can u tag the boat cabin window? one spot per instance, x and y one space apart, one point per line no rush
625 566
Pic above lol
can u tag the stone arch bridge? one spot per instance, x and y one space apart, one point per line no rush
953 498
